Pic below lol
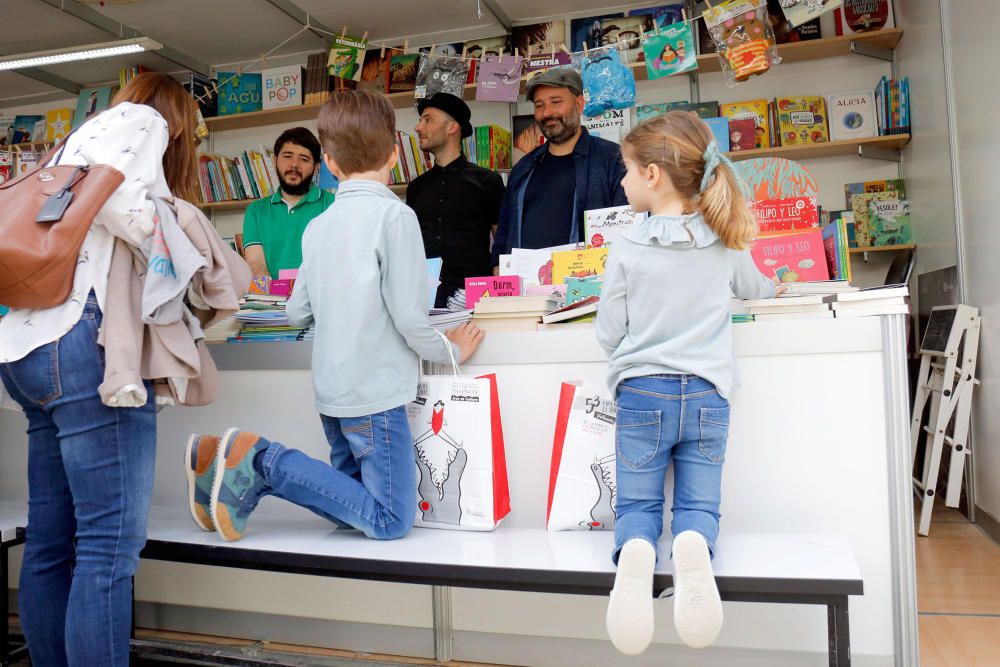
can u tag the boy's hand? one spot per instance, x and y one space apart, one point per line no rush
467 337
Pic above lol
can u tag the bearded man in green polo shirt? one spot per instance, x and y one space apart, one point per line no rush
273 226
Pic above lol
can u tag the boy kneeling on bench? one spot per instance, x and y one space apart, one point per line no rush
363 286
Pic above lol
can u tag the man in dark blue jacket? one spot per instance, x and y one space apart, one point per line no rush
551 187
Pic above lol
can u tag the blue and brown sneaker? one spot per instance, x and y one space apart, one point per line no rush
199 467
237 487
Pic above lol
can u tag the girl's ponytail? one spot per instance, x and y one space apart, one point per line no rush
722 202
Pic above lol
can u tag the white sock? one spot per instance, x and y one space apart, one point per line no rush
697 606
630 609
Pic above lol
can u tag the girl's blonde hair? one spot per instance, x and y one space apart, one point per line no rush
677 142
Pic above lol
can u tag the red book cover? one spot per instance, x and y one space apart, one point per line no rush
487 286
742 135
780 216
792 258
856 16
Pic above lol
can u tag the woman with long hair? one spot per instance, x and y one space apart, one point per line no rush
90 466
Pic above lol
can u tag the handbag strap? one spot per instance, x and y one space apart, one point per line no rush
61 147
451 354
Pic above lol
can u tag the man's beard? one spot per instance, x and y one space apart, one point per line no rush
297 189
433 143
562 131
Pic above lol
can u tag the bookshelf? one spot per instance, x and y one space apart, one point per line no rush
882 248
817 49
399 189
893 142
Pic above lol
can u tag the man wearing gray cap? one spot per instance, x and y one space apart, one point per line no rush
550 187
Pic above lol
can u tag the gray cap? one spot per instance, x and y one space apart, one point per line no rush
558 77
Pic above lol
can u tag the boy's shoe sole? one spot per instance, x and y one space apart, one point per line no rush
697 606
194 465
630 610
231 452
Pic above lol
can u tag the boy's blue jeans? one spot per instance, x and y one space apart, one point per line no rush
90 480
371 480
663 419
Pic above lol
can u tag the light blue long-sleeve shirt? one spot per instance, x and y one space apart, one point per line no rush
665 301
363 284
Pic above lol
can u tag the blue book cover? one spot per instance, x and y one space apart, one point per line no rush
720 128
327 181
239 93
91 102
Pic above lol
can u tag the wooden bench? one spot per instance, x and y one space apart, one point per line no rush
780 568
13 518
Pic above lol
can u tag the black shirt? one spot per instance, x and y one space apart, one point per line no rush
547 219
457 206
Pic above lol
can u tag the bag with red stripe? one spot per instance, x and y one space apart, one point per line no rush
459 451
582 482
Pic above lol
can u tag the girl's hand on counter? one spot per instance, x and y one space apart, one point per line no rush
468 337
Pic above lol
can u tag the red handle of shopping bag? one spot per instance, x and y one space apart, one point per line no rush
501 490
562 421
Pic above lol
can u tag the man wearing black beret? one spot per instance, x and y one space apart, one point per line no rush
456 202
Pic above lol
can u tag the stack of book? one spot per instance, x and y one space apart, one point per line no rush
263 319
512 313
223 331
582 314
888 300
444 319
804 307
489 147
250 175
412 162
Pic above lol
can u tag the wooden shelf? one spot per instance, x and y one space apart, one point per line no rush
34 146
827 47
399 189
828 149
882 248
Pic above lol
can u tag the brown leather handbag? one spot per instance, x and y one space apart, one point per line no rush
45 215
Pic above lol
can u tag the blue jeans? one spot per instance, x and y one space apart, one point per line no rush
664 418
371 482
90 480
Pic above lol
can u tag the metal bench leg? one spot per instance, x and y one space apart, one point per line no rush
441 599
838 632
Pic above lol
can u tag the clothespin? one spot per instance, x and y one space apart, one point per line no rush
465 50
263 58
343 32
517 52
406 46
684 14
381 53
501 55
553 47
365 36
585 49
564 49
433 49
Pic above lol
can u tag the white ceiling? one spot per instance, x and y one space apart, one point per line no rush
227 32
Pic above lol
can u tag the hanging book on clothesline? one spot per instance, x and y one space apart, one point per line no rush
347 57
499 79
608 81
440 74
670 51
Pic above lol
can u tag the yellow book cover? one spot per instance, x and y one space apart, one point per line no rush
754 109
578 263
802 120
59 122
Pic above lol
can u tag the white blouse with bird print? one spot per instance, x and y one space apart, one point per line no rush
131 138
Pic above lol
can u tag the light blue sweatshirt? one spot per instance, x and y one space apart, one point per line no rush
665 302
363 283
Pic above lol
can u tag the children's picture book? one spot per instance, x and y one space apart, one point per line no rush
6 166
892 185
6 129
375 70
539 37
24 129
588 31
670 50
628 31
490 286
720 129
863 16
573 311
802 120
527 136
780 216
441 74
862 218
800 11
488 46
852 115
540 62
578 264
612 125
792 258
498 78
91 102
239 93
347 57
402 72
58 123
26 161
741 135
784 32
282 87
578 289
889 222
835 244
661 15
776 178
755 110
702 109
534 265
603 225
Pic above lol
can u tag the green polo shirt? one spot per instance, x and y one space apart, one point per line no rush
278 229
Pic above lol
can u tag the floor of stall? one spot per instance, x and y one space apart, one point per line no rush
958 597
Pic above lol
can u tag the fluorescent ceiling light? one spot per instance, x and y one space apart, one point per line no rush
86 52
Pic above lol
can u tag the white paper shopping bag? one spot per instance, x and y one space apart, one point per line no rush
582 482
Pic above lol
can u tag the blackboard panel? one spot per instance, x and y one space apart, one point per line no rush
938 331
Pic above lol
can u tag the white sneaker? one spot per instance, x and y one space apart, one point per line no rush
630 609
697 606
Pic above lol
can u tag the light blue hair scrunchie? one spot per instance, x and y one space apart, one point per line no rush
713 158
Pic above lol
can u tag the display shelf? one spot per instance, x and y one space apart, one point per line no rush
882 248
829 149
827 47
240 204
33 146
